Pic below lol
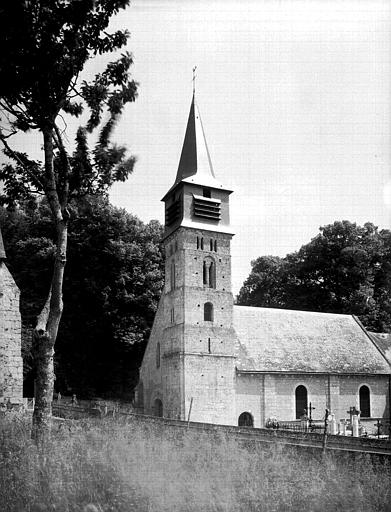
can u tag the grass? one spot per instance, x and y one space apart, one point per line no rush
110 466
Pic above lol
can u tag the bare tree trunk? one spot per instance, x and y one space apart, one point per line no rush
45 332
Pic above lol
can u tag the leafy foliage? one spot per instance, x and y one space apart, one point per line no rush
45 46
111 290
345 269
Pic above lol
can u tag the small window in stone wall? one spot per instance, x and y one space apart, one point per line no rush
208 312
301 396
215 245
158 355
172 276
365 402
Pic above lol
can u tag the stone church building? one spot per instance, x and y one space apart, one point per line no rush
11 364
214 362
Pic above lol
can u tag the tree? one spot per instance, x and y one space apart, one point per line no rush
111 291
344 269
45 46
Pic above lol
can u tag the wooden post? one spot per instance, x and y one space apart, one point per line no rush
188 416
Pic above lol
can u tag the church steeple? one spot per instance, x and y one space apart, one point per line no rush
195 165
196 199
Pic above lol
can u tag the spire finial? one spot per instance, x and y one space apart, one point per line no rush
194 77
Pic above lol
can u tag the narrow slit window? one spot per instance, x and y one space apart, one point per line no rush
202 243
211 244
215 245
208 312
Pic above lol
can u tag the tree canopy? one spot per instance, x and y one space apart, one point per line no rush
345 269
111 291
45 47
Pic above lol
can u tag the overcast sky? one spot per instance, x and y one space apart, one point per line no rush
295 101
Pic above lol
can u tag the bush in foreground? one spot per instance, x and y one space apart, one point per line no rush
123 467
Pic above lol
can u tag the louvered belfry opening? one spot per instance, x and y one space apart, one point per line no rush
173 211
206 207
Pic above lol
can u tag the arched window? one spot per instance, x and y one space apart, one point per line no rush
246 420
208 312
301 401
365 402
158 408
202 243
158 355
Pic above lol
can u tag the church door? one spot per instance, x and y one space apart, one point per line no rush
245 420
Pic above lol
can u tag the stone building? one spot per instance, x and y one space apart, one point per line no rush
218 363
11 365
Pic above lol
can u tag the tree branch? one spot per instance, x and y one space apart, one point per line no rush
37 183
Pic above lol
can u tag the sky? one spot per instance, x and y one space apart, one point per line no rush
295 102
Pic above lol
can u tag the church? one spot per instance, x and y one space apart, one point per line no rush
210 361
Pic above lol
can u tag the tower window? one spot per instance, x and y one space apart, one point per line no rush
301 401
202 243
212 275
206 192
172 275
215 245
209 273
209 349
365 402
198 242
211 244
158 355
208 312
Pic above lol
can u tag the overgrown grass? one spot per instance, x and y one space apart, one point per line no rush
109 466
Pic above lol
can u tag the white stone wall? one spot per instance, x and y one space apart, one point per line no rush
273 395
11 364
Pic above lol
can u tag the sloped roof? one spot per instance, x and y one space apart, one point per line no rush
280 340
383 341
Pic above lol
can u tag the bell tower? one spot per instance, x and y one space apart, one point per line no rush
192 337
199 335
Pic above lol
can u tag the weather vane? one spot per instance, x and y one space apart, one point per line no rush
194 77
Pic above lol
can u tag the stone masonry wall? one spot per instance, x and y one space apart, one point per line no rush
11 365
